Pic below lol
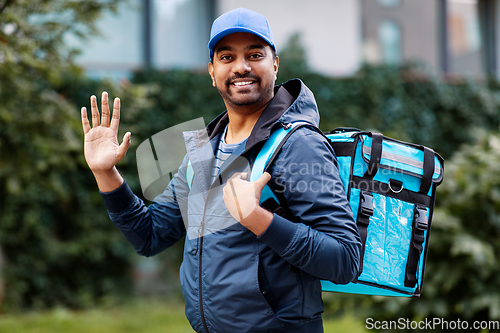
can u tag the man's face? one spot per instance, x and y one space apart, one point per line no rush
244 70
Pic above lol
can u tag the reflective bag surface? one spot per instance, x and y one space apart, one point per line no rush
391 187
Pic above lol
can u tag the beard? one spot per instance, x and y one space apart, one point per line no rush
245 97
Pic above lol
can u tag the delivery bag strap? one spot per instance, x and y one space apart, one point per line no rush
420 226
365 207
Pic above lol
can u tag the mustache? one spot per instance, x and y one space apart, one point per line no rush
242 76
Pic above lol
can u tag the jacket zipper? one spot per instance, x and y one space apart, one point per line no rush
200 290
200 270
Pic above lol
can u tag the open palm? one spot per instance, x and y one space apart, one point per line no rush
101 148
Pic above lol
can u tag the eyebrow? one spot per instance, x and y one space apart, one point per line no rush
254 46
249 47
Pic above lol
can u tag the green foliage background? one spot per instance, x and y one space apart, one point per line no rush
59 246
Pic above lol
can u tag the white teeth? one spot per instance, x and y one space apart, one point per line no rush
242 83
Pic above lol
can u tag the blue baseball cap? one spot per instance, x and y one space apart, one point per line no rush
240 20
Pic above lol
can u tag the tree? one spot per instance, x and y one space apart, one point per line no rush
58 244
293 59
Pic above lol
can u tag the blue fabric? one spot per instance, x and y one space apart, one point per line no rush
232 280
240 20
402 152
390 228
265 155
386 248
357 288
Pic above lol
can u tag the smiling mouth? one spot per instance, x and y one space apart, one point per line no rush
243 83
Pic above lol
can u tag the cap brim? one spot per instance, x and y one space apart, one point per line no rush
215 39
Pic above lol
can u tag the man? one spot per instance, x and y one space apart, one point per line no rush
245 269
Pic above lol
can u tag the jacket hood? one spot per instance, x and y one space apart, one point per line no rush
292 102
303 107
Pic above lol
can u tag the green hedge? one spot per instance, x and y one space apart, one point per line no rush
58 246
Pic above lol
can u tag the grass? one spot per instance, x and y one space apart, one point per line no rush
135 317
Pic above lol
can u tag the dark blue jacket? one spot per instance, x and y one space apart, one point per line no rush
232 280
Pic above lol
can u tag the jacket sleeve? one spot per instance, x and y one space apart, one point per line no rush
150 229
323 240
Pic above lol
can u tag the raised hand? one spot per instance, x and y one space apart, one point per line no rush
101 148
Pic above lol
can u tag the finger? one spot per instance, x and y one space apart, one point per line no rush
262 181
105 109
85 121
236 175
236 201
95 112
122 149
115 120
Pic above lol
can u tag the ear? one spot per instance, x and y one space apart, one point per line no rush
211 72
276 65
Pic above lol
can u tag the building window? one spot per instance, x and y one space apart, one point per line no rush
465 49
181 30
390 42
162 34
118 50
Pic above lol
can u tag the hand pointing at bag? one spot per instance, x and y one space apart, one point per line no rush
242 201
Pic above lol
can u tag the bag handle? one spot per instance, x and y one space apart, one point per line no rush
343 130
428 171
375 155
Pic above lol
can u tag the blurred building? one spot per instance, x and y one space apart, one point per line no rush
453 36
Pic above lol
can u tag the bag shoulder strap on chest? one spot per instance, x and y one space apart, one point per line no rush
266 156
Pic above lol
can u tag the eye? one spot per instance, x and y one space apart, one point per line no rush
225 57
256 55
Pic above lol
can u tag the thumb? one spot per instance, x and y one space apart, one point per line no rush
262 181
122 149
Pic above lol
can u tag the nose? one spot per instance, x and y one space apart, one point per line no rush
241 66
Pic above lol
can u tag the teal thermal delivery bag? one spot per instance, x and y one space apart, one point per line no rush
391 187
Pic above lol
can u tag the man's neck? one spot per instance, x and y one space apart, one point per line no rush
241 123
